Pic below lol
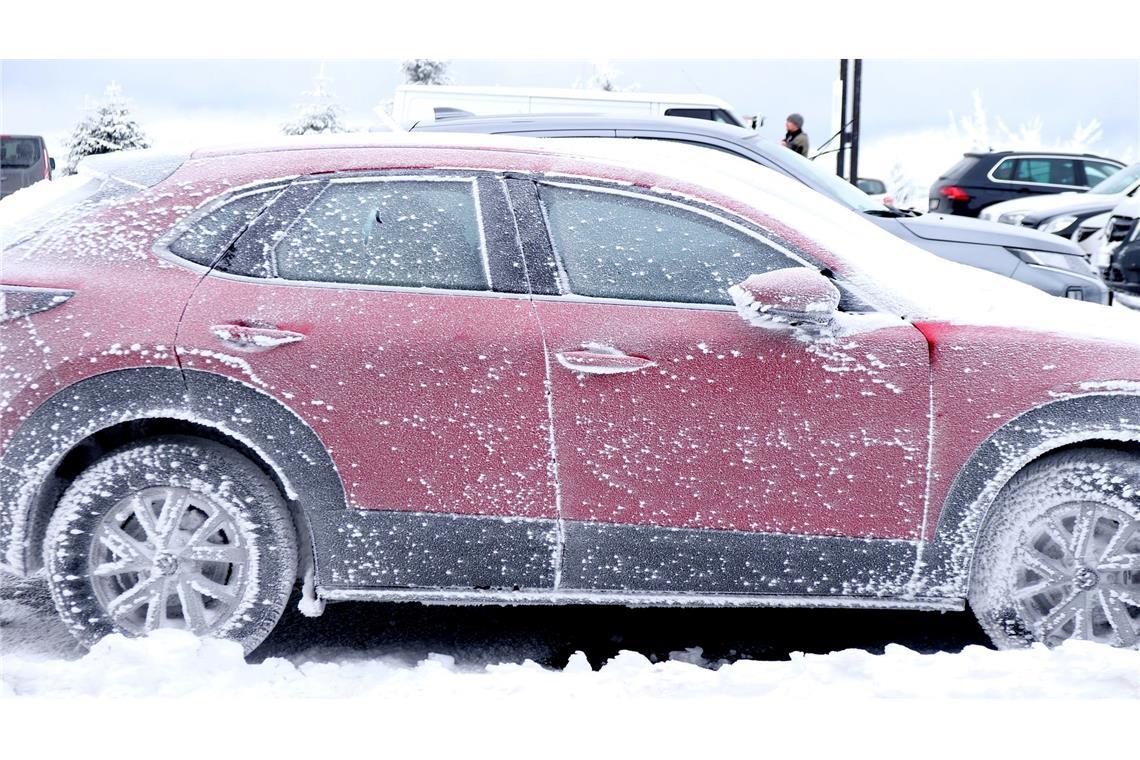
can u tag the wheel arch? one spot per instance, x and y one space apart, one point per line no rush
1103 420
83 422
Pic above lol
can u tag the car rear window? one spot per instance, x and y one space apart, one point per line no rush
211 234
959 169
620 246
19 152
410 233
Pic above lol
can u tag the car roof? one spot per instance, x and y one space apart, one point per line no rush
1059 153
568 121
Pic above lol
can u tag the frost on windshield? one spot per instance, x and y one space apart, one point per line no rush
408 233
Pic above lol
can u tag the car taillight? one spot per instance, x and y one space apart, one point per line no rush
18 301
955 193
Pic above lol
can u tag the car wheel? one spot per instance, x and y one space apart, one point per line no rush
1059 557
177 532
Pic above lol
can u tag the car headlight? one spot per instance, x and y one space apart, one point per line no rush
1058 224
1070 263
1013 217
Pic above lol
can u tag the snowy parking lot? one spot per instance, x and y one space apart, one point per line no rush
560 656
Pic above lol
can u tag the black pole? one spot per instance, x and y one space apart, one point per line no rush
840 157
856 98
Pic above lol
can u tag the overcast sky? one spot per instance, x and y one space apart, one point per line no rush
239 100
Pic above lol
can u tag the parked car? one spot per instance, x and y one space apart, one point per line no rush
1118 259
24 160
418 102
875 188
982 179
1089 234
1044 261
486 370
1062 214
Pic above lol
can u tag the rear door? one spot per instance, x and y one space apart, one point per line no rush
390 313
697 453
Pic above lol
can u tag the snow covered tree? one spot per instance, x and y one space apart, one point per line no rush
104 129
604 77
320 115
425 71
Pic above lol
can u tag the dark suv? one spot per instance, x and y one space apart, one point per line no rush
24 160
982 179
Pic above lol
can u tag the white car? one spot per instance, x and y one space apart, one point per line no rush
1089 234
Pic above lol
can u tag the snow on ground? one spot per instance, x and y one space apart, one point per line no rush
38 658
174 663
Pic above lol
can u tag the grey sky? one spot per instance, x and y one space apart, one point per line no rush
47 97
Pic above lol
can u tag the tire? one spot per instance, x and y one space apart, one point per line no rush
1059 557
174 532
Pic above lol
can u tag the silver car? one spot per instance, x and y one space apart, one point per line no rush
1048 262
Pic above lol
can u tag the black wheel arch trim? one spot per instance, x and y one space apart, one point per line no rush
283 442
945 563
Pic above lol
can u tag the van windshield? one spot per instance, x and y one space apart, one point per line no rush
19 152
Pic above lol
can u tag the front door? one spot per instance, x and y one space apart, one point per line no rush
699 453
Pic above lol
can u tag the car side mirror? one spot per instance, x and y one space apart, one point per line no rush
51 163
792 296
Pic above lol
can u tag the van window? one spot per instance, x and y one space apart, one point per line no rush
708 114
19 152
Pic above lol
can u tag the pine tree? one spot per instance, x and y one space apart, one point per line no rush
604 77
425 71
107 128
320 115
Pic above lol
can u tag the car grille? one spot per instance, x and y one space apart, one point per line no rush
1084 233
1118 229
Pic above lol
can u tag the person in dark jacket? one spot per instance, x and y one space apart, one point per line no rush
796 138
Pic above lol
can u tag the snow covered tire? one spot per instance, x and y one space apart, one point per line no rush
1059 556
175 532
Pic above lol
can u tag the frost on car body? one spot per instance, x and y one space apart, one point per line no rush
495 372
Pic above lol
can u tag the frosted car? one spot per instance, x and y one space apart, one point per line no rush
492 370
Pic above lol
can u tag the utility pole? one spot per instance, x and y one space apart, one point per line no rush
840 156
855 120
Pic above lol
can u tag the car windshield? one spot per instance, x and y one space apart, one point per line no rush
1119 182
19 152
825 181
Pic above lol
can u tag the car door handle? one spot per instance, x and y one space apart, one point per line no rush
254 339
602 360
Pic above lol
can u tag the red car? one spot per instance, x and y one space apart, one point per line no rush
495 371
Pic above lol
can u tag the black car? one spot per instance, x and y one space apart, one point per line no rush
1120 267
982 179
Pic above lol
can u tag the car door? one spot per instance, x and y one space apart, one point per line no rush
389 312
697 453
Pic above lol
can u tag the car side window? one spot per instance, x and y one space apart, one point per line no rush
212 233
615 245
403 232
1004 170
1095 172
1047 171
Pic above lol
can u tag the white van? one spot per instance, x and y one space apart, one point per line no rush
419 102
